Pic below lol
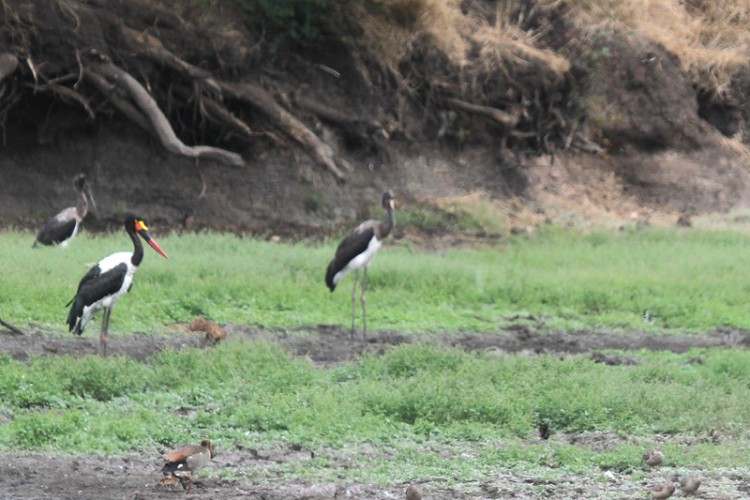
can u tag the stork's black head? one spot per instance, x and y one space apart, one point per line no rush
388 199
79 181
136 225
82 185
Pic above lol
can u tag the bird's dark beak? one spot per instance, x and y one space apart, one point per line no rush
91 200
141 229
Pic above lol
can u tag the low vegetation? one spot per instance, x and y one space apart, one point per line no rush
474 412
413 396
690 280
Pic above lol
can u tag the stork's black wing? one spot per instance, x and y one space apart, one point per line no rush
55 231
93 287
353 245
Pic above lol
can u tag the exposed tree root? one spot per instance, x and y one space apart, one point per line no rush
504 118
249 93
160 125
120 102
264 102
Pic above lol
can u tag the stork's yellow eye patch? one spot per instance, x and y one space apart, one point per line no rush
140 226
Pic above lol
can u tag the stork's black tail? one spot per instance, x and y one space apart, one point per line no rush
330 273
74 316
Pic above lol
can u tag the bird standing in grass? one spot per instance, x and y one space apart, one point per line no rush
182 462
63 227
357 251
653 458
108 281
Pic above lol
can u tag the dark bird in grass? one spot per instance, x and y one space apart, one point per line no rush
184 461
108 281
63 227
357 251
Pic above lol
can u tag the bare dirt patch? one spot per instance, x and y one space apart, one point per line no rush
328 345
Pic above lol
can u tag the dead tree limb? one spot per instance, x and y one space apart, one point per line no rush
161 126
249 93
12 328
502 117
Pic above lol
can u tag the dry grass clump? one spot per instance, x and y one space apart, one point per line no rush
710 37
469 38
391 27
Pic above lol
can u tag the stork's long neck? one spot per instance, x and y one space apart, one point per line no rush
83 205
137 248
390 223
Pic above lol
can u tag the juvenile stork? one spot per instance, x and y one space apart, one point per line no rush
357 251
108 281
63 227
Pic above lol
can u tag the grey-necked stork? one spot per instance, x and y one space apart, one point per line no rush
63 227
108 281
356 252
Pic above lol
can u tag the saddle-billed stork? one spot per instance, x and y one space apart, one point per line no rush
356 251
63 227
108 281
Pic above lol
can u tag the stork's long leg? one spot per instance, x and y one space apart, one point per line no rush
362 301
103 339
354 301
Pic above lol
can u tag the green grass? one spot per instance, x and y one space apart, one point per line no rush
414 397
429 411
691 280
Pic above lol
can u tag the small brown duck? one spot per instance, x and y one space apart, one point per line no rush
690 484
653 457
663 491
413 492
182 462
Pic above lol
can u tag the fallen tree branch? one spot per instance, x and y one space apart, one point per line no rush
161 126
13 329
502 117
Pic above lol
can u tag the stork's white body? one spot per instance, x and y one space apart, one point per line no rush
108 301
362 260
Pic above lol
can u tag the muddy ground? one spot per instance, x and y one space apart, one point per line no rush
44 475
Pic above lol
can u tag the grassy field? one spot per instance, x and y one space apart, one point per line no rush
474 412
686 280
